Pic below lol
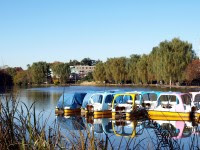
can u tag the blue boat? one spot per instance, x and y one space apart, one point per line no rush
70 103
86 100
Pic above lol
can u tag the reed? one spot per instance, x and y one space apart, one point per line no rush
20 128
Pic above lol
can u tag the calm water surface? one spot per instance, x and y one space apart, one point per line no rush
132 134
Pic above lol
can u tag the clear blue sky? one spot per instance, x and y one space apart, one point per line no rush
60 30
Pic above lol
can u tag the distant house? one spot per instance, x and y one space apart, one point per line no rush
81 70
4 67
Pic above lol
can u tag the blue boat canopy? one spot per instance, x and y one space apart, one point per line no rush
86 99
72 100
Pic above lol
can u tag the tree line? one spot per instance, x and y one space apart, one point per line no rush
41 72
169 62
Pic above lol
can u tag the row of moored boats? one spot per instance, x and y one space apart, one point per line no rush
156 105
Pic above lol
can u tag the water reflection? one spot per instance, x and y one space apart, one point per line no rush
163 132
144 133
42 100
177 129
71 122
126 128
102 125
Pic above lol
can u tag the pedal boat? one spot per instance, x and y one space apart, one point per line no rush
123 105
86 101
172 106
146 99
100 104
70 103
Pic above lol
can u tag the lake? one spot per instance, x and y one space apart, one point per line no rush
136 134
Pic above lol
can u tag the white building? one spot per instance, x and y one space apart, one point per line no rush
82 70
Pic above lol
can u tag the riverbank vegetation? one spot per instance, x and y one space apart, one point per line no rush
43 73
172 61
169 62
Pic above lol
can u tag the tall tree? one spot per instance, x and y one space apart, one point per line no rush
61 71
87 61
99 73
108 66
171 59
74 62
116 69
122 63
13 71
142 65
40 72
21 78
193 71
132 71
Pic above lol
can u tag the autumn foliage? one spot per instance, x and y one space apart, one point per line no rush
193 71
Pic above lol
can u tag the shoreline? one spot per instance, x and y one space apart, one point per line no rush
105 85
117 85
138 85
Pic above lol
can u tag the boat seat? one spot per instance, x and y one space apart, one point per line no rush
129 102
146 105
123 105
166 105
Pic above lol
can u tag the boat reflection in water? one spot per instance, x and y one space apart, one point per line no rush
176 129
131 128
103 125
71 122
162 131
127 128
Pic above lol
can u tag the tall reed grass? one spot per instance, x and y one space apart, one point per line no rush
20 128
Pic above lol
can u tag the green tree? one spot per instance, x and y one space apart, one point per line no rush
116 69
122 63
88 77
132 71
13 71
61 71
142 65
21 78
74 62
29 74
108 66
99 73
40 72
87 61
172 58
155 65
